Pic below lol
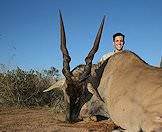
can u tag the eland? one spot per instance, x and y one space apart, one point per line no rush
128 89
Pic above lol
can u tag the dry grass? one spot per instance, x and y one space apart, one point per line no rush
25 89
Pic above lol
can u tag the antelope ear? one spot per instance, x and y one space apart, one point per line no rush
58 84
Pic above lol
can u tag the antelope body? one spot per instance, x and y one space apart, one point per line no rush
132 92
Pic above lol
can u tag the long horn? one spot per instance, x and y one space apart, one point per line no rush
89 58
66 57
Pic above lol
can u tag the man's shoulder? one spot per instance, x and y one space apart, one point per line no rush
106 56
109 54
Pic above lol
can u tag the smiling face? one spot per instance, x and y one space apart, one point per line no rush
118 43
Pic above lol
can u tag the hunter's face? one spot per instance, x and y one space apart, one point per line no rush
119 43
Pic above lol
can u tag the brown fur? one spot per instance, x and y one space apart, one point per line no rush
130 88
132 91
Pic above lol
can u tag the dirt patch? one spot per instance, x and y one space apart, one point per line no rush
44 119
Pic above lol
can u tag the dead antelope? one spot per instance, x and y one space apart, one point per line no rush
129 88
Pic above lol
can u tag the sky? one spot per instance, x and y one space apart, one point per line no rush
30 32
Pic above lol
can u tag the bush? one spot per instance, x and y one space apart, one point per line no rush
25 88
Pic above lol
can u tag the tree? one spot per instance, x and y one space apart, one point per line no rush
51 72
161 62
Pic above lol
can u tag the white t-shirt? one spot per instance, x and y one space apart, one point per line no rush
106 56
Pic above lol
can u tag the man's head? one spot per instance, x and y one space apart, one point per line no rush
118 41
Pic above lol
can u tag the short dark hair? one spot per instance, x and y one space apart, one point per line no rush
118 34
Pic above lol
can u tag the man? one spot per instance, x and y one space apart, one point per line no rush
118 42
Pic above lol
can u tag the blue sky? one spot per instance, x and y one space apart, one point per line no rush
29 30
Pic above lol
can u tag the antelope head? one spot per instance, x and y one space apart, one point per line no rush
75 82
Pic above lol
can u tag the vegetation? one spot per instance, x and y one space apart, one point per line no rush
25 88
161 62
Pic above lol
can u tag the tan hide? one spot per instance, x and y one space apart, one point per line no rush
132 91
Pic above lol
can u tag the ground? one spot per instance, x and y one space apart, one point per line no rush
45 120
